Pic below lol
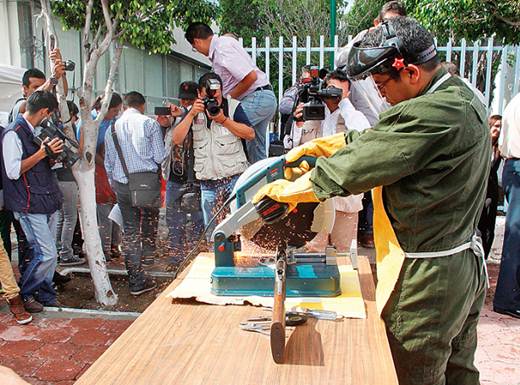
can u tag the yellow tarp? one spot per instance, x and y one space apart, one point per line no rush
197 285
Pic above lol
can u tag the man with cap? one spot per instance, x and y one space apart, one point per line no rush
426 161
185 223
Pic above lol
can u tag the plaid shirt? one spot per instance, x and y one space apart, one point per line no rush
141 142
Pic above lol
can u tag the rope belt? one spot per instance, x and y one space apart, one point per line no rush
475 245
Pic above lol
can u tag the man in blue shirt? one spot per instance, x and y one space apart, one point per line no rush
142 147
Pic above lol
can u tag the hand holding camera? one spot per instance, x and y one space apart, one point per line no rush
197 108
52 147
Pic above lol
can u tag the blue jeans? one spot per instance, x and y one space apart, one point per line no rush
260 107
184 228
36 279
213 195
507 295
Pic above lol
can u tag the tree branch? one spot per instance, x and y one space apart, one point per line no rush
508 21
107 95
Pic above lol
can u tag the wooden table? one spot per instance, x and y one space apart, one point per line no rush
190 344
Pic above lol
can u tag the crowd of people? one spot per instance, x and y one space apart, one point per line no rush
200 147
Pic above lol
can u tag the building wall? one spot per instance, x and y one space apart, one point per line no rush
155 76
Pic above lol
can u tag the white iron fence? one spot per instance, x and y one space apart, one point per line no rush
495 70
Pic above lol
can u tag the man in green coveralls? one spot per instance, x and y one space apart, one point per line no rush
430 153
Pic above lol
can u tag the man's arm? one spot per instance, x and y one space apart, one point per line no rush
109 154
181 130
238 124
244 84
354 119
157 140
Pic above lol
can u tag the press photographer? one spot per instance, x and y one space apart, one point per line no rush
32 193
330 100
183 208
218 127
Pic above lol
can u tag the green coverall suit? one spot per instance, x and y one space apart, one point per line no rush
431 153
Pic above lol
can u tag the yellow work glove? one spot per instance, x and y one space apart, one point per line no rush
325 146
275 200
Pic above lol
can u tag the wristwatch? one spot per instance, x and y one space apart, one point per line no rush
53 81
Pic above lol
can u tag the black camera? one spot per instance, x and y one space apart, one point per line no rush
311 93
210 103
162 111
69 156
69 65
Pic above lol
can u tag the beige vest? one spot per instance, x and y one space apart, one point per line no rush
218 152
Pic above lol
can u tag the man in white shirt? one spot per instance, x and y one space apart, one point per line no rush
241 80
340 116
507 295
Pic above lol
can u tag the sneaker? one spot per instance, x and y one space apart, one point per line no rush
53 303
16 306
60 279
32 306
149 285
72 261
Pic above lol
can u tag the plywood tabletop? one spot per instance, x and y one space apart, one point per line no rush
193 344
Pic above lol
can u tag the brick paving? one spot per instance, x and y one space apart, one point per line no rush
55 351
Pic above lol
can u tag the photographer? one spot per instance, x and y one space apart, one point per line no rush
340 116
33 195
34 80
185 222
218 127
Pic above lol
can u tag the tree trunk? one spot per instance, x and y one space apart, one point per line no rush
84 175
84 171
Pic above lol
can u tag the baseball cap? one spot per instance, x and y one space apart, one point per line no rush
188 90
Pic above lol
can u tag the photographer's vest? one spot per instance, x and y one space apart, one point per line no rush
218 152
36 191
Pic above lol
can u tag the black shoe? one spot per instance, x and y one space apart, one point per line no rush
72 261
60 279
148 261
511 312
54 303
148 285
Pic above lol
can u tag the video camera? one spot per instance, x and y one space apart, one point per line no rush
69 156
210 103
311 93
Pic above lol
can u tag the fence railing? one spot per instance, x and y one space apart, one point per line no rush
478 61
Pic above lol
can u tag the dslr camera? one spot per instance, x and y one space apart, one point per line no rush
312 93
210 102
69 156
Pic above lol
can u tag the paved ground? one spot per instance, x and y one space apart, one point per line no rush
53 351
56 351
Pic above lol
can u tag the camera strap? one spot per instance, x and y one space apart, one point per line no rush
191 158
118 149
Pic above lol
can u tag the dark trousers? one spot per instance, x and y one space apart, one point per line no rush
488 218
507 295
140 232
24 250
365 221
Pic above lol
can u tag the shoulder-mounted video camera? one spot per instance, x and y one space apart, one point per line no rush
69 156
312 93
210 102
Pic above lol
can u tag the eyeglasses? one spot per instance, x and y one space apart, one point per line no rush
382 85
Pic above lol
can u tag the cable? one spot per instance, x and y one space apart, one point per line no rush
194 251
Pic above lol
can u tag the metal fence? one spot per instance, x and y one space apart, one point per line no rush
495 70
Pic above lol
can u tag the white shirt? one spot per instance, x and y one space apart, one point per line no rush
232 63
510 147
12 151
354 121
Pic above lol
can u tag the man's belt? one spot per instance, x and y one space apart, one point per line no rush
266 87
